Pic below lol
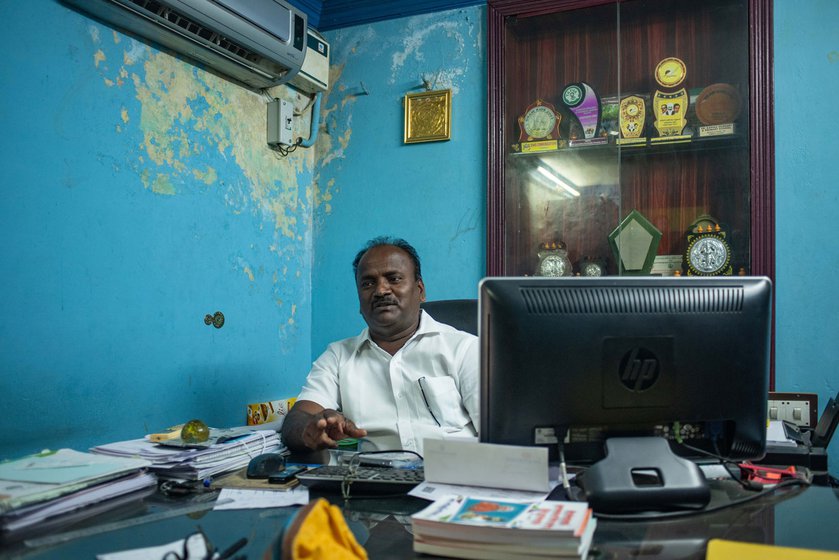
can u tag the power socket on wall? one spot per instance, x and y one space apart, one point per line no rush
801 409
280 123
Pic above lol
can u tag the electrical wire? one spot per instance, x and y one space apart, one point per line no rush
284 152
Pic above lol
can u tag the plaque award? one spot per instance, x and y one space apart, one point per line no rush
584 103
632 115
428 116
717 107
538 128
670 108
635 243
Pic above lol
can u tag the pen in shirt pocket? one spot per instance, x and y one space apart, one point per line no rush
425 399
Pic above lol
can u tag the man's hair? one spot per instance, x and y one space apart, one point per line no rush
396 242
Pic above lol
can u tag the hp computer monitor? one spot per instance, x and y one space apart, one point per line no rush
684 358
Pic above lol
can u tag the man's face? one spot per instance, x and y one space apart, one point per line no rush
388 292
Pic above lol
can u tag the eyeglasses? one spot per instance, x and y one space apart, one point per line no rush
352 470
355 463
197 546
424 398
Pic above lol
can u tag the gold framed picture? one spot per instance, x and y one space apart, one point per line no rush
428 116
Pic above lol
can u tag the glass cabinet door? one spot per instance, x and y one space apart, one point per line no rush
630 138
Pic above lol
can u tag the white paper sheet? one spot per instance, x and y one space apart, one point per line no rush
434 491
776 434
253 499
486 464
148 552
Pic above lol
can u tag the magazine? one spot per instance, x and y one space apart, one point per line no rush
473 527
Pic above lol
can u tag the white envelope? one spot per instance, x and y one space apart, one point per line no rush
486 464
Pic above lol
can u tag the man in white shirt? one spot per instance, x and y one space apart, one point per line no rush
404 378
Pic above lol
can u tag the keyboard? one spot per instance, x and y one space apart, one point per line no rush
365 480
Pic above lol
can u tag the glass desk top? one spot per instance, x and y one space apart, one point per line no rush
792 517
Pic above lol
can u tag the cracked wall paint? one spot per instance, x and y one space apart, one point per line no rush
187 113
369 182
194 122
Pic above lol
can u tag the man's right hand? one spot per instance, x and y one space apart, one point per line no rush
310 426
328 429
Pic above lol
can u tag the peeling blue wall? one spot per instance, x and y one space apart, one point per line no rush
371 183
138 195
807 199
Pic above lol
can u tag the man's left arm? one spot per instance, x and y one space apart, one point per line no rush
469 380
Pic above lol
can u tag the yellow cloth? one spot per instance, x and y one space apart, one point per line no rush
323 534
719 549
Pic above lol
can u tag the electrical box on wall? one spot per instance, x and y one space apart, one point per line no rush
280 123
313 76
799 408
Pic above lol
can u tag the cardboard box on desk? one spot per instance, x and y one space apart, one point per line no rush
269 411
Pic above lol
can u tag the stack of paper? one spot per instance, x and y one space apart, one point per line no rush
183 463
51 485
489 529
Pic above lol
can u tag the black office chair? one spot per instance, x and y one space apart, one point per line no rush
462 314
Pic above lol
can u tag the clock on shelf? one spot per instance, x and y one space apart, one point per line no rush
708 252
553 260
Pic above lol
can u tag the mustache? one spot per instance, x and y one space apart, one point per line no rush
385 300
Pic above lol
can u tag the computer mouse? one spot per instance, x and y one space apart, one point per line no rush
266 464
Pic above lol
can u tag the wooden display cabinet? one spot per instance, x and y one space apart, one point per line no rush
538 47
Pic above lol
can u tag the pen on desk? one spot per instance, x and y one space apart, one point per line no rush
233 549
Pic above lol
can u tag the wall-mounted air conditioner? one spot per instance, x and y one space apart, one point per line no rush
259 43
314 74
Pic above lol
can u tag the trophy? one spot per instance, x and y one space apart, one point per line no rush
632 115
584 103
539 128
670 108
717 107
635 243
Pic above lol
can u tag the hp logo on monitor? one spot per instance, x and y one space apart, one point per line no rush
639 370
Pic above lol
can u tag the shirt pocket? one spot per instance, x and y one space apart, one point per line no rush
444 402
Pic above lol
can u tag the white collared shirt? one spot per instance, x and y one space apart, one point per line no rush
387 395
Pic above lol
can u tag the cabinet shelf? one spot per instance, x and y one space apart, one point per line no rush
538 47
726 142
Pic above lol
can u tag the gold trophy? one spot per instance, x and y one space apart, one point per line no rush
632 116
670 108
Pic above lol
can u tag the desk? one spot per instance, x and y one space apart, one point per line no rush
796 517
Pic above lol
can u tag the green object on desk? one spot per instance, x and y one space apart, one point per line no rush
348 444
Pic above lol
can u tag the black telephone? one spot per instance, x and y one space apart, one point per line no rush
823 432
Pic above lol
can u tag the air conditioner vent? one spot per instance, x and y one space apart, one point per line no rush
259 43
194 28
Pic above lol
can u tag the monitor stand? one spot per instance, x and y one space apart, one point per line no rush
643 474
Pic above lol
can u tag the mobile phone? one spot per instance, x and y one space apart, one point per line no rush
286 475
